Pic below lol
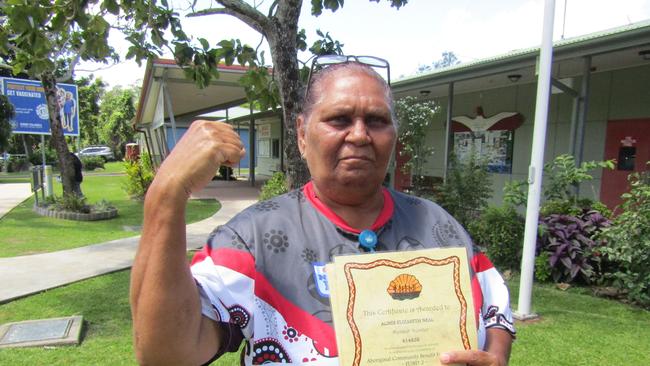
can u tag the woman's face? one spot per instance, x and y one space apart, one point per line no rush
349 136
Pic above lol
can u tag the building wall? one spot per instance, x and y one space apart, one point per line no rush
266 163
618 94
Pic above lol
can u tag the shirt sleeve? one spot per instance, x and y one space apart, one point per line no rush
495 299
224 272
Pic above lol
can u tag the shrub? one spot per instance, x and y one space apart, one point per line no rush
628 242
559 207
17 164
561 177
466 192
36 158
70 202
500 231
92 162
139 175
274 187
571 244
102 206
542 267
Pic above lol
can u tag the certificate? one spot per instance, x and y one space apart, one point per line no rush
401 308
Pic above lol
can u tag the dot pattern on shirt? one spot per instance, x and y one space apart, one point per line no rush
276 241
269 350
267 206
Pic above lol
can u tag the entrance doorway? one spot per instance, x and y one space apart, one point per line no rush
628 142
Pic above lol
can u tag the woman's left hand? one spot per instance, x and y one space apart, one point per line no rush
473 358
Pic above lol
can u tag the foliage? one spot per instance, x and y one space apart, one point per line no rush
415 119
542 267
92 162
563 176
139 174
116 112
572 244
17 164
7 112
70 202
90 92
500 231
274 187
466 192
36 157
447 59
514 192
628 241
559 207
102 206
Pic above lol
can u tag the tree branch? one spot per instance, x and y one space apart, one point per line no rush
68 73
240 10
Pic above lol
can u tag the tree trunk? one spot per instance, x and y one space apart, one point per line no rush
58 140
282 41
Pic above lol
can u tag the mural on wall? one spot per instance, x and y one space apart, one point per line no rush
491 138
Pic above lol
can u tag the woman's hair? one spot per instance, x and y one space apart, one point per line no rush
315 87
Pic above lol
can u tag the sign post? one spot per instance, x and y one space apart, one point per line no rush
32 115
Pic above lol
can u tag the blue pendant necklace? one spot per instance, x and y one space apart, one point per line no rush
368 240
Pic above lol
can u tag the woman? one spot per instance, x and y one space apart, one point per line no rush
258 277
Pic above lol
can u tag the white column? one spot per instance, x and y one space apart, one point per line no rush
536 164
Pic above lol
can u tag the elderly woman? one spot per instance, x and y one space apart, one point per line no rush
257 278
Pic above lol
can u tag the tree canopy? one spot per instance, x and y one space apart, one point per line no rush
45 35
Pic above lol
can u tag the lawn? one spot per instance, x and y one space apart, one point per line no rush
23 232
113 167
575 329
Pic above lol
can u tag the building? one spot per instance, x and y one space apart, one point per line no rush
169 103
599 109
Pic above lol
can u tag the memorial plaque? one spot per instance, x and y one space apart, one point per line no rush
56 331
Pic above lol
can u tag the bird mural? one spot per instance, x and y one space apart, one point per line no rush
499 121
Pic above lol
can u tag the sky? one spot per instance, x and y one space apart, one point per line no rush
414 35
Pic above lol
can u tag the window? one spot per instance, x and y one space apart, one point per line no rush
626 155
275 148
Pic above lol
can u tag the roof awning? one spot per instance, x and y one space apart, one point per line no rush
611 49
183 94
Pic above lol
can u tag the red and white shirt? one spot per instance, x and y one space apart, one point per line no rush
262 272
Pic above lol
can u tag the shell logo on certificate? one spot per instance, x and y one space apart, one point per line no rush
401 308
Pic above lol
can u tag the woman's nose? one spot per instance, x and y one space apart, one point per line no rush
358 134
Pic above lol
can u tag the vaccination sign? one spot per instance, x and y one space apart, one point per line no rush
28 99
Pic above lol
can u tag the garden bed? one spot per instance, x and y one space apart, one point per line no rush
76 216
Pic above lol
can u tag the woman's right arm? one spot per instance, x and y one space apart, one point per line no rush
165 305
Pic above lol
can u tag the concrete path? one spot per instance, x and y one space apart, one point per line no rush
11 194
25 275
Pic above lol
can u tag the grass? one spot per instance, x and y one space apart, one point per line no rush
579 329
113 167
575 329
23 232
107 340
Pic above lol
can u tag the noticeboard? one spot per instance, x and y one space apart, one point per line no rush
28 99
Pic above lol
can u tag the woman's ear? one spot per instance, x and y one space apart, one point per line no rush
300 129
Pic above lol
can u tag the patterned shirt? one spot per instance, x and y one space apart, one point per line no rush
262 271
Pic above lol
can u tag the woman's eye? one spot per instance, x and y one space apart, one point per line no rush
376 121
339 121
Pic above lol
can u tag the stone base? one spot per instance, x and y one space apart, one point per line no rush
76 216
525 317
42 332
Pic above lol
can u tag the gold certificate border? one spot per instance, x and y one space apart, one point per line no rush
386 262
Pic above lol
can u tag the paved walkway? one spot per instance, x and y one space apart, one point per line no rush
11 194
25 275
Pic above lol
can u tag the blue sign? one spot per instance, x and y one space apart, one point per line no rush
32 116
